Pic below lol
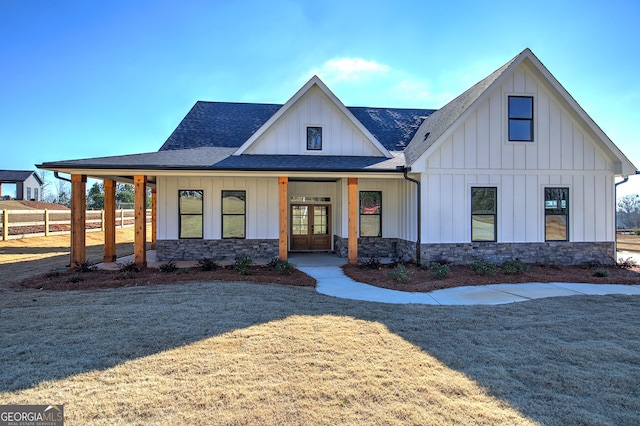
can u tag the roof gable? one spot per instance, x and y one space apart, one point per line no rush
18 175
375 147
443 122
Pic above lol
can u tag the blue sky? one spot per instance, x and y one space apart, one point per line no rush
96 78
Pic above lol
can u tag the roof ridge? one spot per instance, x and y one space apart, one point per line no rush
437 123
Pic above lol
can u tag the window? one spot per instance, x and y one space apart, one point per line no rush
190 211
556 214
28 193
314 138
370 213
35 194
233 214
521 118
483 214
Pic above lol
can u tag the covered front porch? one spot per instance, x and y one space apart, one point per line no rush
287 243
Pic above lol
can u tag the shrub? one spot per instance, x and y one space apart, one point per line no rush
483 267
168 267
207 265
84 267
514 267
129 267
371 263
281 266
76 278
241 266
637 232
601 273
627 263
400 273
439 270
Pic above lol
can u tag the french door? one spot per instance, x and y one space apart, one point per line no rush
310 227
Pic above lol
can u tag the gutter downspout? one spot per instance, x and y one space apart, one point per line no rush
615 210
60 177
405 170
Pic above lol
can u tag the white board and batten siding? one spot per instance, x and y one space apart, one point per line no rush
262 208
288 135
477 153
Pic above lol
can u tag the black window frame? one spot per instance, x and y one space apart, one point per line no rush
558 211
513 118
377 213
494 214
181 215
310 135
223 214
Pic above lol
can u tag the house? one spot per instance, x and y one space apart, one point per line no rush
28 184
511 168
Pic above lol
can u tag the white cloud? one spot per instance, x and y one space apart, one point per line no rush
349 69
362 82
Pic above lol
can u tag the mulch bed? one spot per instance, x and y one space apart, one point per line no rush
421 280
101 279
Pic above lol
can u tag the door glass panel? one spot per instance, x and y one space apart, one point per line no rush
300 220
320 220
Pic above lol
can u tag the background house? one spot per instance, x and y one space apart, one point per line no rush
28 184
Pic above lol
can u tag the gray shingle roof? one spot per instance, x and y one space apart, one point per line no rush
442 119
16 175
228 124
213 158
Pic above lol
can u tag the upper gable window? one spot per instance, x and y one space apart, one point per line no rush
521 118
314 138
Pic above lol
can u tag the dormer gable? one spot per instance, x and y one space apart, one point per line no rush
313 122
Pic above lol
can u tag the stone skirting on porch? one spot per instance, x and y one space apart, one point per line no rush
230 249
552 252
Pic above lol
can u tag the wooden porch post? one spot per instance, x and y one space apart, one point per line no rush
109 221
352 184
140 220
283 184
78 219
154 217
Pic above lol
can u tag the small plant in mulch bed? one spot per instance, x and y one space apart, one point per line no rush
281 266
483 267
371 263
439 260
439 270
241 266
627 263
84 267
76 278
207 265
129 267
400 273
168 267
514 267
127 271
602 273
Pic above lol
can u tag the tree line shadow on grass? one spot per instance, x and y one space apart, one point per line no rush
558 361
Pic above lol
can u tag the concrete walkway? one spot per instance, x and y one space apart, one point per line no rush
332 281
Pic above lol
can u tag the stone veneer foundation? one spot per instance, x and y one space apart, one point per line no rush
230 249
552 252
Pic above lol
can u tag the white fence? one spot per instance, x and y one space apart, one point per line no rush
17 224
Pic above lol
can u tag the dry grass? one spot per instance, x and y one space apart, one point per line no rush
233 353
20 259
629 242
